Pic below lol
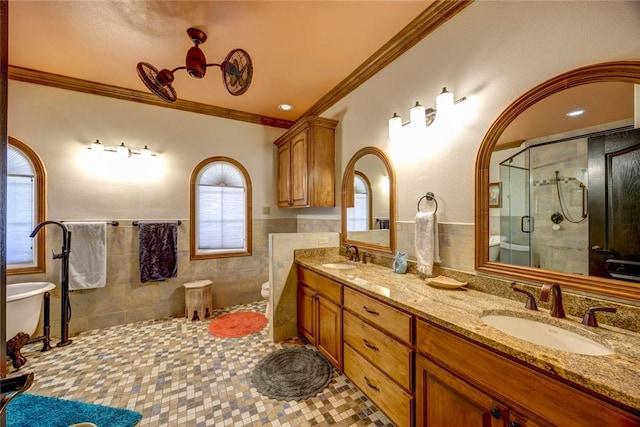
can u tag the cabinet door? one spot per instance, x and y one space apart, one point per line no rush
284 175
306 300
299 170
328 330
445 400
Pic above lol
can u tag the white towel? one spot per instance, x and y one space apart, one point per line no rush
88 258
426 239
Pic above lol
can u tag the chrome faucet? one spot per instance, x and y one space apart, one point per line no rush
355 255
556 303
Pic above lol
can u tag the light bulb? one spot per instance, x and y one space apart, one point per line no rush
145 152
395 126
417 116
123 150
97 147
444 104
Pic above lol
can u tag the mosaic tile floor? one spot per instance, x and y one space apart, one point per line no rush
176 374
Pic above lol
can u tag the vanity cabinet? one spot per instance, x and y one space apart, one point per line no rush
461 383
320 314
306 164
378 355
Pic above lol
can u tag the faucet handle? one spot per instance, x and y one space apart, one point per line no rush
589 318
531 300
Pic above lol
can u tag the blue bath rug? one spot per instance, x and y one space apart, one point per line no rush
29 410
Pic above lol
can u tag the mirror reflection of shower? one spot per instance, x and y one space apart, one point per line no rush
544 216
563 205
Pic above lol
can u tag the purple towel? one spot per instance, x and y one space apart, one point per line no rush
158 245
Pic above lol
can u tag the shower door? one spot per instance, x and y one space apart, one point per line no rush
516 223
614 195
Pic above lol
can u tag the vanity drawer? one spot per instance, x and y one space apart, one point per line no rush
380 314
396 403
384 352
327 287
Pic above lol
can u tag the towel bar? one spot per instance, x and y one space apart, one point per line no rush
430 197
134 223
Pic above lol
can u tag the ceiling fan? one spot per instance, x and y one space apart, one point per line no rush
237 70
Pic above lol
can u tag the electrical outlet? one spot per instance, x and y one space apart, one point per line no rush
323 240
266 210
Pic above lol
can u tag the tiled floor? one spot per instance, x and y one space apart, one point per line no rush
176 374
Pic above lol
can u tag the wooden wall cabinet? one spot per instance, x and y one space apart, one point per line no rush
306 164
320 314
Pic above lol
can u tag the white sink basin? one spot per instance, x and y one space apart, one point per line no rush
339 266
542 333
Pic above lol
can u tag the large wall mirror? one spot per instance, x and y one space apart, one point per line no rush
368 201
558 184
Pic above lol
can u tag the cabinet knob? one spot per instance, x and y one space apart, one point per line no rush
496 413
514 424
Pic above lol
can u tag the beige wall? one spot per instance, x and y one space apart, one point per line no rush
492 52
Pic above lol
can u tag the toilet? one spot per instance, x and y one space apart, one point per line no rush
494 247
266 292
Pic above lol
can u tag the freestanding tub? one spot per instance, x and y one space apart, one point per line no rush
24 305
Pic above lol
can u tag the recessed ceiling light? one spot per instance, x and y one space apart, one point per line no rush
285 107
575 113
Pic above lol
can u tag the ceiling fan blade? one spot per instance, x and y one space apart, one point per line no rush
158 82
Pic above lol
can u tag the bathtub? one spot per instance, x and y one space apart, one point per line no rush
24 304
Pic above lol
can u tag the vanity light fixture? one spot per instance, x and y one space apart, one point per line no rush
121 150
420 117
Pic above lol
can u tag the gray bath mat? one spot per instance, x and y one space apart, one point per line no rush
292 374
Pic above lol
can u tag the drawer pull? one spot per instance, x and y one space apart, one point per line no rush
496 413
370 311
371 346
371 385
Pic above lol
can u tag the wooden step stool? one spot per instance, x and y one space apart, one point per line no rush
198 300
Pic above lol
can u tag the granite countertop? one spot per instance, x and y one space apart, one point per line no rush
616 376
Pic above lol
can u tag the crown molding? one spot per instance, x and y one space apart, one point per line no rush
86 86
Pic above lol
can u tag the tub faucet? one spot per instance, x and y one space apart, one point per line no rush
64 279
556 303
355 255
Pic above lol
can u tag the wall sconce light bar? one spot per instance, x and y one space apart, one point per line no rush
444 105
122 150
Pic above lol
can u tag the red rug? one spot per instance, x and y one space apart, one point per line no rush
236 325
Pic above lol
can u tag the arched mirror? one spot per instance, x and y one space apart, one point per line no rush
368 201
558 184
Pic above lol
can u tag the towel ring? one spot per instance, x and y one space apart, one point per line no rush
430 197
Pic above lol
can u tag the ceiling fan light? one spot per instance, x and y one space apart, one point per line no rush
196 63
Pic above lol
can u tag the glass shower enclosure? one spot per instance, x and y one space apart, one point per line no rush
543 214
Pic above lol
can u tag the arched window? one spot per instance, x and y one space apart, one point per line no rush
220 209
25 209
359 218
